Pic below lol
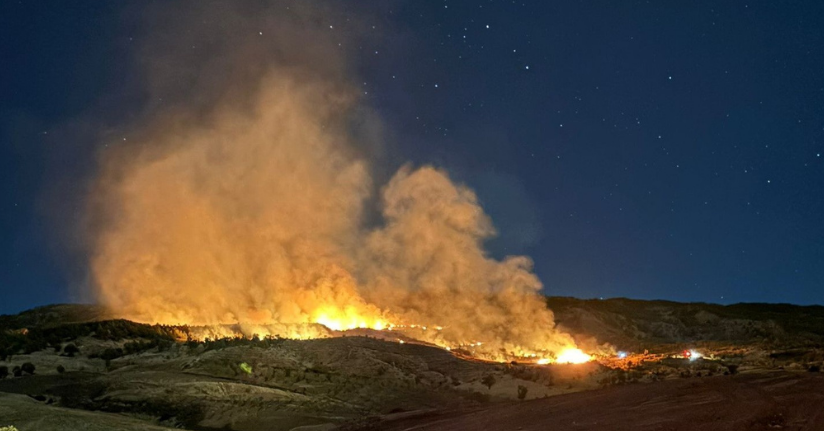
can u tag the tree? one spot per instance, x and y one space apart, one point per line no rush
28 368
4 372
5 353
522 390
488 381
70 350
110 354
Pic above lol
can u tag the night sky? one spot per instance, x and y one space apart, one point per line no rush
651 150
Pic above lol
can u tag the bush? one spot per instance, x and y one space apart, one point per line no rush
522 390
17 371
732 369
4 372
814 368
28 368
61 369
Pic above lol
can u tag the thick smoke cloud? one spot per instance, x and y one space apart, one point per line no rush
242 198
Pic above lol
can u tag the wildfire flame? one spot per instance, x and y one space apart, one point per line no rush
573 356
251 208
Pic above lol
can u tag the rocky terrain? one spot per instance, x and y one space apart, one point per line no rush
72 367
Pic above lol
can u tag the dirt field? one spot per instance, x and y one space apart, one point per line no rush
756 401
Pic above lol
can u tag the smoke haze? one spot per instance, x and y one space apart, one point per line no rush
243 193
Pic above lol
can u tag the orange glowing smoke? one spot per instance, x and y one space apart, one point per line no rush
245 204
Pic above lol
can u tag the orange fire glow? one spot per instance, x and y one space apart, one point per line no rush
251 207
573 356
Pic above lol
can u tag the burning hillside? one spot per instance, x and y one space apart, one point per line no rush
249 202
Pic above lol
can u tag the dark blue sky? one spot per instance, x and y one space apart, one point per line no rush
640 149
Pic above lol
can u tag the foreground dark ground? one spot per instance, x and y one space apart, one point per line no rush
754 401
761 371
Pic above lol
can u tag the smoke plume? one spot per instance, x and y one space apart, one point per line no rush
241 197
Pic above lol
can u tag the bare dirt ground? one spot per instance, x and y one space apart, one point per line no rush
753 401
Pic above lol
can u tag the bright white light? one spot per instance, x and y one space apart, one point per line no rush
695 355
573 356
622 355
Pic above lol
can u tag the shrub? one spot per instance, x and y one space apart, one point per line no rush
522 390
4 372
488 381
28 368
814 368
17 371
61 369
732 369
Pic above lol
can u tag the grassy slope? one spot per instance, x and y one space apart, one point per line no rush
634 324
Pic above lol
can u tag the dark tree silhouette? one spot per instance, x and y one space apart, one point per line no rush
522 390
70 350
488 381
28 368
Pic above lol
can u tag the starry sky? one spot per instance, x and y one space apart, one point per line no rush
642 149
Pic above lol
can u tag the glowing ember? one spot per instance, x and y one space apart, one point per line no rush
573 356
543 361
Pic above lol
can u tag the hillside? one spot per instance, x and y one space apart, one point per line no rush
630 324
117 374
